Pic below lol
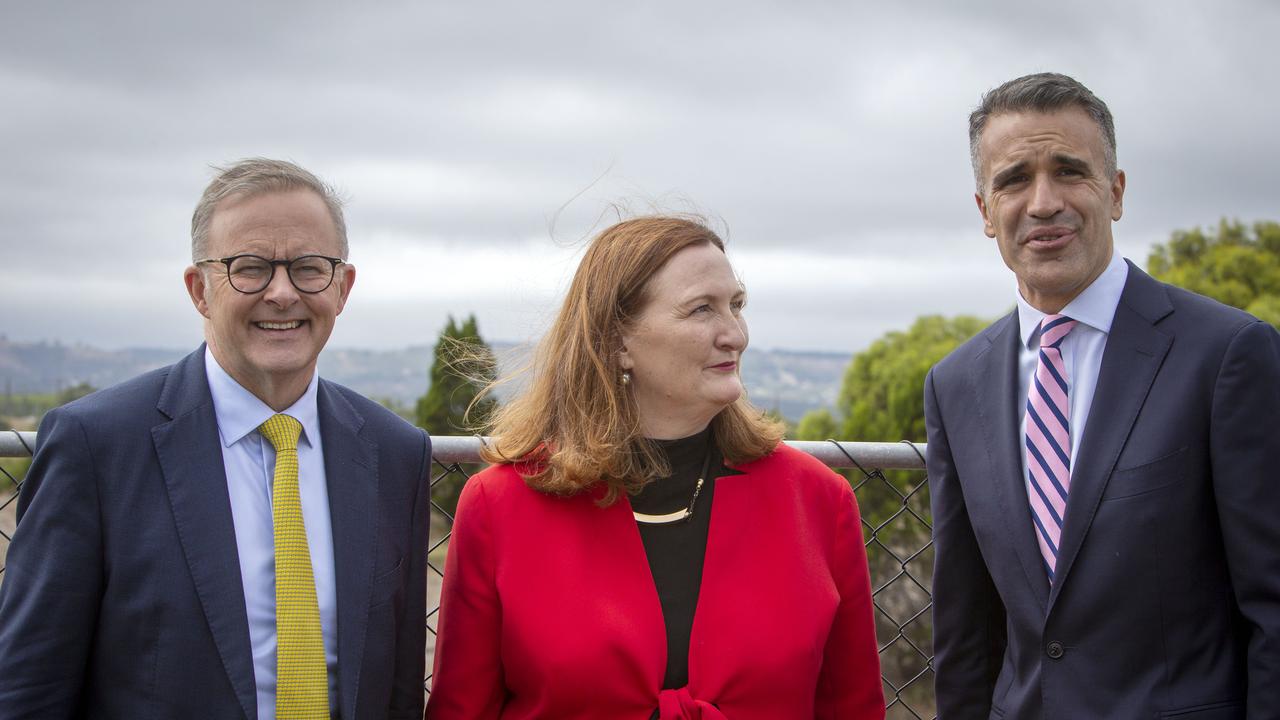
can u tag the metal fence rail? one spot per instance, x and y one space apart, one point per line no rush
887 478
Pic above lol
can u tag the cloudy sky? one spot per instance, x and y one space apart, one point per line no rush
479 143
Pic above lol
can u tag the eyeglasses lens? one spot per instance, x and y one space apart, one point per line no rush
308 273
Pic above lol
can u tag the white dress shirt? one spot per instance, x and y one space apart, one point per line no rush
1082 348
250 462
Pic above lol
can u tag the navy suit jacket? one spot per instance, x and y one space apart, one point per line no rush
1167 602
122 597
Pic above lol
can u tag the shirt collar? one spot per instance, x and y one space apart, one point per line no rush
1095 306
240 412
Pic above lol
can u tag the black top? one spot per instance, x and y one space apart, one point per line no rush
676 550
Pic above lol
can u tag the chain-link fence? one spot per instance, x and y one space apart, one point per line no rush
888 479
15 452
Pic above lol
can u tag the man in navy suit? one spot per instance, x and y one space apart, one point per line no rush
142 579
1104 461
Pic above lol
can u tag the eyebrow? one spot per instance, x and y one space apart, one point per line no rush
1063 159
708 297
1007 173
1072 162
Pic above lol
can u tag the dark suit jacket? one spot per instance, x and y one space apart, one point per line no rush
1167 602
549 608
122 597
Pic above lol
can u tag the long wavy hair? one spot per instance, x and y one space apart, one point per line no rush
576 426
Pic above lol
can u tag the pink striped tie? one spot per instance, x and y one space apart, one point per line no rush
1049 439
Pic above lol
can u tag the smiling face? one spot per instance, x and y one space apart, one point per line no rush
684 348
1049 202
268 341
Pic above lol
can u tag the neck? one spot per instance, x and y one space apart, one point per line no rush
278 396
1052 302
1048 306
672 427
277 391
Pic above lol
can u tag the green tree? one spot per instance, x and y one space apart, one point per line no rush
882 399
817 424
1236 264
463 365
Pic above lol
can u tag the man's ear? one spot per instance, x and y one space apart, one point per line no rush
194 279
1117 196
987 227
345 283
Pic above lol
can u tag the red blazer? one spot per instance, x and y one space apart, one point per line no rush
549 609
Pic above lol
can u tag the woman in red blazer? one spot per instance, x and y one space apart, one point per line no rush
645 546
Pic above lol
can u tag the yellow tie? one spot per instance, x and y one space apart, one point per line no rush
302 679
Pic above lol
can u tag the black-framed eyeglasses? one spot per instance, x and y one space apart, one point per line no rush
251 274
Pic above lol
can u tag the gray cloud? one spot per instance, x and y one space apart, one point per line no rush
829 129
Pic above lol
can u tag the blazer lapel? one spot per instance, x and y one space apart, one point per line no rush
995 392
1135 350
190 459
351 470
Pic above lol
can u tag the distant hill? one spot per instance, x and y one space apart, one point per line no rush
791 382
50 367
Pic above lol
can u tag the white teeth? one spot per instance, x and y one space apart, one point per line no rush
279 325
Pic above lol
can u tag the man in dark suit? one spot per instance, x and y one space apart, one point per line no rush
231 536
1103 462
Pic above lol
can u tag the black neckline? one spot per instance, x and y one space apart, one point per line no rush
686 458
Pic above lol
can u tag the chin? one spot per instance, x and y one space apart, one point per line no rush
727 396
283 362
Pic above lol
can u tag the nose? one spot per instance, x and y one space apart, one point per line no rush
280 291
733 334
1046 198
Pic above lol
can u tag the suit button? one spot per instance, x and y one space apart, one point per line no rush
1054 650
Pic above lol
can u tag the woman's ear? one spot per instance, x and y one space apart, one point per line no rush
625 361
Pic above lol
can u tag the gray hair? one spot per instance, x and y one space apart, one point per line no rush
1041 92
257 176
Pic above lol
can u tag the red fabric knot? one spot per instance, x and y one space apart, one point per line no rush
680 705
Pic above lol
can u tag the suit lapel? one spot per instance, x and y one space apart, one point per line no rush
351 470
999 414
190 458
1135 350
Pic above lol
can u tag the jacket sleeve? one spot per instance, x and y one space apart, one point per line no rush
968 616
1245 455
406 689
53 578
467 682
849 685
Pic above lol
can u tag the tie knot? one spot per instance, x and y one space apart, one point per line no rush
281 431
1053 328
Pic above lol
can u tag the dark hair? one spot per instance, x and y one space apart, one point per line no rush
1041 92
